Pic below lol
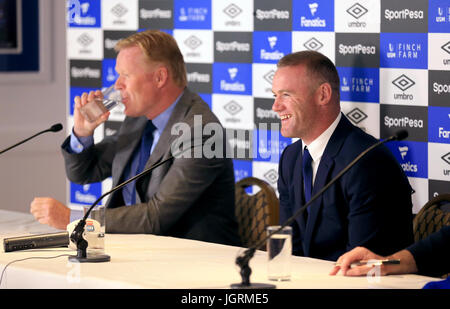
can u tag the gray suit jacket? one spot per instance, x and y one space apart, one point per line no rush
186 197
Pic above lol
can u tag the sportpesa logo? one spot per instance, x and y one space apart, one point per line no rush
402 122
271 14
232 46
357 49
440 88
403 14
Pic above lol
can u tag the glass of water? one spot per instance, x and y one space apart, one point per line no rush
94 231
279 251
97 107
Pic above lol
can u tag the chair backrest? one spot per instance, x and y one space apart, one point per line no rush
255 212
432 217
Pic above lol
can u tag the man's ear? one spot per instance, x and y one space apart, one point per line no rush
324 93
161 76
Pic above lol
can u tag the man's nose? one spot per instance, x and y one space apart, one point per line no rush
276 105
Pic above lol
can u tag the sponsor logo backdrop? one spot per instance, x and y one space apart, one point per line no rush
393 58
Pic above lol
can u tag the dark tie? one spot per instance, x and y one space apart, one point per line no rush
307 175
144 154
146 145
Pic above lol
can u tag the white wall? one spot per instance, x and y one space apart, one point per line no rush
35 168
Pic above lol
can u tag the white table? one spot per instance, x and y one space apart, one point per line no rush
157 262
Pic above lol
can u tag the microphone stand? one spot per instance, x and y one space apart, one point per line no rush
54 128
77 234
243 260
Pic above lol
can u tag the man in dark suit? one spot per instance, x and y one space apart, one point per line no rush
371 204
187 197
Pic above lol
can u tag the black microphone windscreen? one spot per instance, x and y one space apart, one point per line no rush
56 127
401 135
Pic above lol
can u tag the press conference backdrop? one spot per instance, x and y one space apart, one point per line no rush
393 58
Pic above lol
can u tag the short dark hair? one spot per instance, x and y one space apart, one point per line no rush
320 67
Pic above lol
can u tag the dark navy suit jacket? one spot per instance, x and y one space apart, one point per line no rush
370 205
432 254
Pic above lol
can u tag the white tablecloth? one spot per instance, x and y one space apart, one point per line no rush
149 261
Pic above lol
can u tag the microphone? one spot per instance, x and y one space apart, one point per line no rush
54 128
243 260
77 234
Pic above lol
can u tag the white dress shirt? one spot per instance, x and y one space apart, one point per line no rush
317 147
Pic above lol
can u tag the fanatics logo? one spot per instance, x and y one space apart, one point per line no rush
272 41
403 151
232 72
84 14
408 167
82 194
313 44
313 8
357 10
403 82
270 47
356 115
232 78
315 15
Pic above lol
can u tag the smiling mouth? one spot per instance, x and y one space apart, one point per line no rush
284 117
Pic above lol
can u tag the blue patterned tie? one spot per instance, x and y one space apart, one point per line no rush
144 154
307 174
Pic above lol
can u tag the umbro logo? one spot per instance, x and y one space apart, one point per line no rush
232 108
357 10
193 42
403 82
313 44
446 158
356 115
269 76
85 39
232 10
271 176
446 47
119 10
